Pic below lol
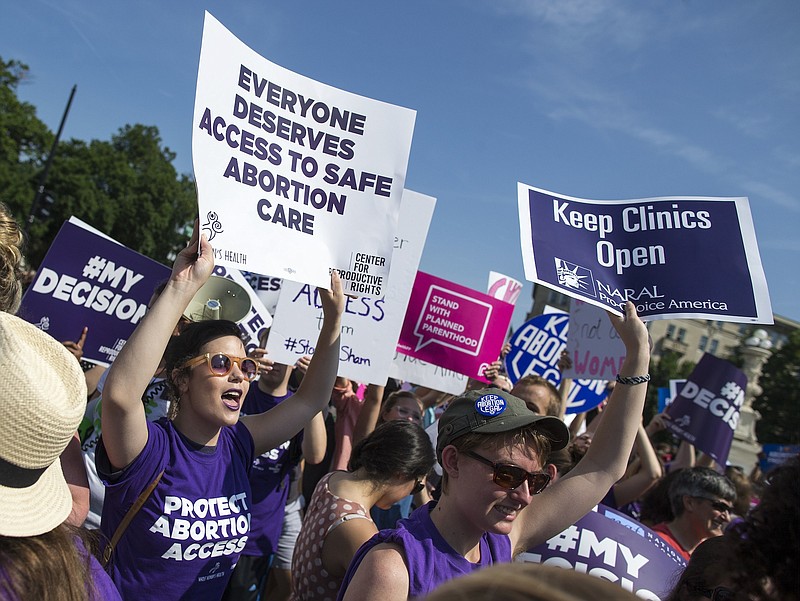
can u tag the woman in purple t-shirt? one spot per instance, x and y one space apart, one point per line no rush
186 538
493 451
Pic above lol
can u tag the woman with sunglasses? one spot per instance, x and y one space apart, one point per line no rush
495 500
386 466
190 473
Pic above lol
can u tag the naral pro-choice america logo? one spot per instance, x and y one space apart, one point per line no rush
490 405
576 277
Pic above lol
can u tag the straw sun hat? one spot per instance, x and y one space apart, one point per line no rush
42 400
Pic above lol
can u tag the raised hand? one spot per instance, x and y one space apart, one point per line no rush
192 268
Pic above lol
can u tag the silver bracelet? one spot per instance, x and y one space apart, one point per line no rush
633 380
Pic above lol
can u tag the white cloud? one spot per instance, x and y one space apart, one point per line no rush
769 192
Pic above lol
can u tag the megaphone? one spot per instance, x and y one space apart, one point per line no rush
219 298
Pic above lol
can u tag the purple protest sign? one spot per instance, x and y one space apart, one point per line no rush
610 545
706 410
452 326
673 257
87 279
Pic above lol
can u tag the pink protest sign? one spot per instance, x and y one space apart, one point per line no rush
452 326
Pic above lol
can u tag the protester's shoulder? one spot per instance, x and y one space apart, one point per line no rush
240 440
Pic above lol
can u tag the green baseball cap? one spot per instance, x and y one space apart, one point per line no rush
490 411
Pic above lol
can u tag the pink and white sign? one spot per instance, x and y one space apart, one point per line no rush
452 326
504 287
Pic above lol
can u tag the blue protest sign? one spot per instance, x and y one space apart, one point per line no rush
87 279
677 257
536 348
706 410
663 397
585 395
776 454
610 545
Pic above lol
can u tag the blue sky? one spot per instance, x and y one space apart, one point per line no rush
590 98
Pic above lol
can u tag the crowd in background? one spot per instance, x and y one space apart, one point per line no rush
190 470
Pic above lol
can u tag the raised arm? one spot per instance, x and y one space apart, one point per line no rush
284 421
572 496
315 439
648 473
123 418
370 412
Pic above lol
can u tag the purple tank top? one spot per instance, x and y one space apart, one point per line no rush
431 561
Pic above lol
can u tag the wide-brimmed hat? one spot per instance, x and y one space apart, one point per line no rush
491 411
43 398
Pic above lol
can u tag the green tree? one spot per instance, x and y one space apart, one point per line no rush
668 367
779 402
126 187
24 141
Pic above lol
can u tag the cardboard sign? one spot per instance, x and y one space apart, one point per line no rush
88 279
370 325
593 344
610 545
536 349
422 373
706 410
673 257
295 177
453 326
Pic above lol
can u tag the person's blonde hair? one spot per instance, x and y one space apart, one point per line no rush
10 261
528 582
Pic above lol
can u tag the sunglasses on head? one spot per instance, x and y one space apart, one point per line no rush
511 476
719 505
221 365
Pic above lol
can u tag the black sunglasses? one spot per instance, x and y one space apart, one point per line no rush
418 486
719 505
511 476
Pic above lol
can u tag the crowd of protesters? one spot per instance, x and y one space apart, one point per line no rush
200 472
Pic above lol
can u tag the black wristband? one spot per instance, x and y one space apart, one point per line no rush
633 380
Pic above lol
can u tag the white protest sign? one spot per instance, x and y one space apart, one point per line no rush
504 287
370 325
593 344
295 177
267 289
422 373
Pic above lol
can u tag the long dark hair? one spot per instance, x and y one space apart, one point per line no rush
395 450
767 542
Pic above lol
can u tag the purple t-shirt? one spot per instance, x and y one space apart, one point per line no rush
185 540
430 559
104 589
269 480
